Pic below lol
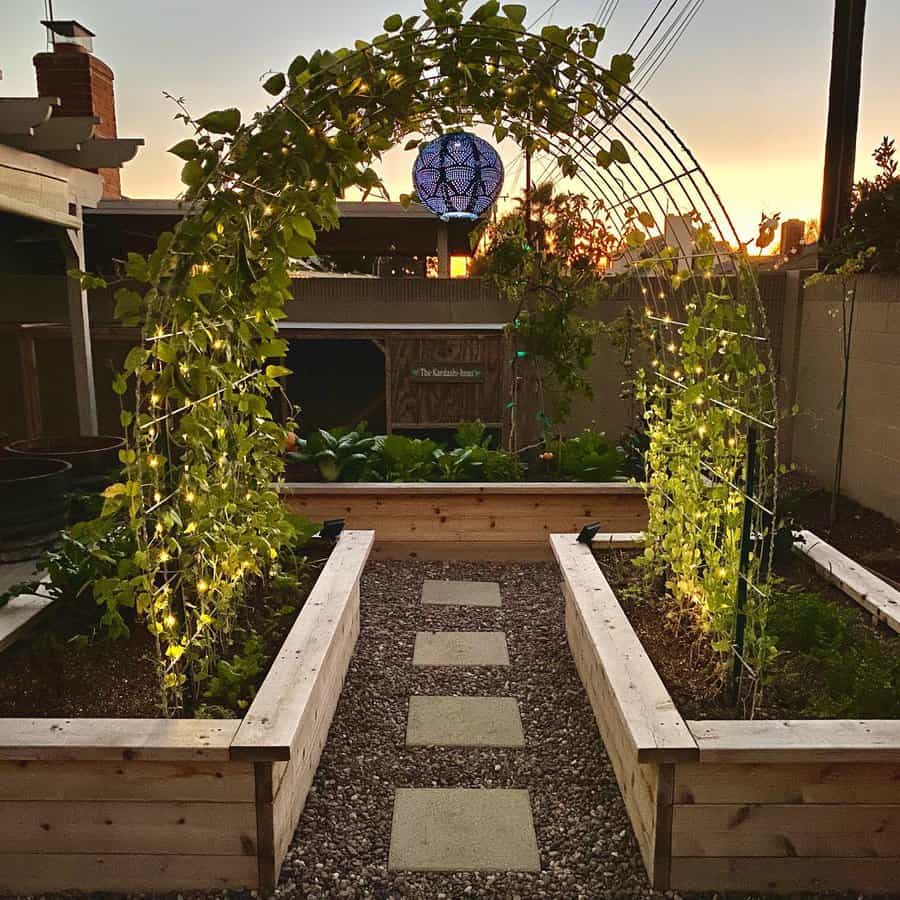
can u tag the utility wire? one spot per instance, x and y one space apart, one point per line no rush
612 11
546 12
637 37
659 25
645 78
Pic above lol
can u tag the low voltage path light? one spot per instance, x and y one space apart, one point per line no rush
331 529
588 533
458 176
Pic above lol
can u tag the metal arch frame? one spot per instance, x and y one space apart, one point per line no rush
662 177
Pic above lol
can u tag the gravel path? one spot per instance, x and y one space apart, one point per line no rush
341 846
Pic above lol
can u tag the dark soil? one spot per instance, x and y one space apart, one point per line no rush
48 675
688 666
863 534
54 672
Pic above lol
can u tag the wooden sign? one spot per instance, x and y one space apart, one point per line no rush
447 372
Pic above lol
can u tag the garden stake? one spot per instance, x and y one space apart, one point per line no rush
740 620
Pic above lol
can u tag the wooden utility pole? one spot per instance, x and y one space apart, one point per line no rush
843 116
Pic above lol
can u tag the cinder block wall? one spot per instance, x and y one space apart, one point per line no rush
872 441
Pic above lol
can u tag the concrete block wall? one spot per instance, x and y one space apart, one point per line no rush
871 471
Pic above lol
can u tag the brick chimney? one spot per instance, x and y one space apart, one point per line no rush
792 234
83 83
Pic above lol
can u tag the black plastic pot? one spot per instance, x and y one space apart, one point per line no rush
33 504
94 460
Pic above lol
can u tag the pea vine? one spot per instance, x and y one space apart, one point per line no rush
708 383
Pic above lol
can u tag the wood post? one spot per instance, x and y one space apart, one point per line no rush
31 394
843 116
789 360
443 250
79 320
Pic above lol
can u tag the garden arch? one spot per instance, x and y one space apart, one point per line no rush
203 451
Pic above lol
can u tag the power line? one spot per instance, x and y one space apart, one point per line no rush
659 25
637 37
546 12
612 11
645 79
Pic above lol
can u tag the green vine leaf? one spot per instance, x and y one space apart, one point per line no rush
515 12
221 121
186 149
275 84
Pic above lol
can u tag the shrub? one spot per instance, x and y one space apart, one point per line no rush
874 219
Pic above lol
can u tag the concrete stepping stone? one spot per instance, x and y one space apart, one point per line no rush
460 648
464 722
463 830
461 593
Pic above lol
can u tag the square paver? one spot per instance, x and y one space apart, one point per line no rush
464 722
461 593
460 648
463 830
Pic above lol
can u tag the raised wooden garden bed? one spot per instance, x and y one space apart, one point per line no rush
776 806
154 805
493 521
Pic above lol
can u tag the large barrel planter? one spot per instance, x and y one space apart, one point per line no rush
33 504
94 460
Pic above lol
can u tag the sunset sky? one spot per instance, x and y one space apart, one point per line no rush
746 87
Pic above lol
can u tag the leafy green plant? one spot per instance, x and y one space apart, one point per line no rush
340 455
828 657
402 458
635 444
588 456
86 571
233 685
472 434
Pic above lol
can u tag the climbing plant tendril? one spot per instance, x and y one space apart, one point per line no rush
203 448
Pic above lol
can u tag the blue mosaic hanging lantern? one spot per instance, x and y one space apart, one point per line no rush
458 176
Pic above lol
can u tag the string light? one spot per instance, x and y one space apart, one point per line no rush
202 586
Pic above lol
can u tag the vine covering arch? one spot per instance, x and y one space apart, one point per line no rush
204 451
